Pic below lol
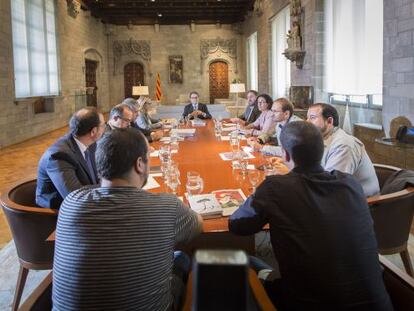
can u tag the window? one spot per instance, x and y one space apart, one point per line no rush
252 80
354 50
280 64
34 48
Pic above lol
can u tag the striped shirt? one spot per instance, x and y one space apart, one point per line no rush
114 249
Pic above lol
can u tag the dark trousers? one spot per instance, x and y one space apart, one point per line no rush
181 269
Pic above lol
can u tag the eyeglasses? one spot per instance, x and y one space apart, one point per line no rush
125 119
277 111
192 97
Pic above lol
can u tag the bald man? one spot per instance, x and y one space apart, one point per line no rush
69 163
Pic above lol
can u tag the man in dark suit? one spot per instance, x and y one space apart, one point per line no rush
69 163
252 111
196 109
321 232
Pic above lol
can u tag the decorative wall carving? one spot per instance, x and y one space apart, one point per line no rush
218 46
295 52
140 48
258 8
73 7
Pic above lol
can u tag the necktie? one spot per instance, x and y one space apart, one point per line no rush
91 171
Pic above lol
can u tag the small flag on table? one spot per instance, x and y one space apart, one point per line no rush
158 92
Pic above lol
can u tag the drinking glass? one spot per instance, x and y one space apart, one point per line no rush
236 159
217 128
173 180
243 163
165 153
254 176
194 183
234 141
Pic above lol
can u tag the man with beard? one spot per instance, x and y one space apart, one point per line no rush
115 243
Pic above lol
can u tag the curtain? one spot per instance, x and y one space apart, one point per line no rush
252 66
280 64
353 47
34 48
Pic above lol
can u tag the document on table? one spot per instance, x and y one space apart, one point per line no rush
227 138
151 183
228 156
183 132
229 124
229 129
156 153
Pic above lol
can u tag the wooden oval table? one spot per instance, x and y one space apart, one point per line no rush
200 153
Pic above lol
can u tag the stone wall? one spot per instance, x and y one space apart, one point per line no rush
79 37
398 60
174 40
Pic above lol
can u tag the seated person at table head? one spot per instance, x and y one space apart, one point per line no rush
321 232
144 120
195 109
116 247
343 152
265 122
252 111
69 163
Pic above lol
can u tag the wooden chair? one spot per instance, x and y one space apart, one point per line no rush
392 215
30 227
399 286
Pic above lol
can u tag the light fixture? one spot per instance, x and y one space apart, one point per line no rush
159 14
237 88
140 90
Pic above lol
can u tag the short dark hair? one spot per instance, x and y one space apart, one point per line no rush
303 141
252 91
118 150
193 92
118 111
83 121
268 99
328 111
286 105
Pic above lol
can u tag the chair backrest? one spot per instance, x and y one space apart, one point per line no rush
383 172
400 286
30 225
392 217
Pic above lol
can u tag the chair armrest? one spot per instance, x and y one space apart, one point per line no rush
389 167
376 199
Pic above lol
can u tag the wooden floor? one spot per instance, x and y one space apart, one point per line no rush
18 162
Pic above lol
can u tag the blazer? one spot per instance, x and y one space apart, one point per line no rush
144 121
250 117
62 169
202 107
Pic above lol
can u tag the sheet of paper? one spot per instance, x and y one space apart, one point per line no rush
156 174
251 167
228 156
225 138
184 132
229 124
247 149
229 129
151 184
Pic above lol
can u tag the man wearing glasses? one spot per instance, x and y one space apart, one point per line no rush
195 109
120 116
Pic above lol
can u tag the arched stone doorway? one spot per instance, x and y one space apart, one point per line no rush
133 75
218 80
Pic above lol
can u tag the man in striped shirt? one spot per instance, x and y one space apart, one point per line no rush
115 243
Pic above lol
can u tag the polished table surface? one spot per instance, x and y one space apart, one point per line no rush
201 153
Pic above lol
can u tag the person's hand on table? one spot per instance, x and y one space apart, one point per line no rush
156 135
279 165
254 143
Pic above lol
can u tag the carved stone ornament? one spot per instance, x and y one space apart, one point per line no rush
135 47
218 45
73 7
211 46
258 8
295 52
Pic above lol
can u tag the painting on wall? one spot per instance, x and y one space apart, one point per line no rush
176 69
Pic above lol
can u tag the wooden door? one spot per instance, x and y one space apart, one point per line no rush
219 80
90 79
133 76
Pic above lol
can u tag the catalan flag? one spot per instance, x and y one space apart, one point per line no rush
158 93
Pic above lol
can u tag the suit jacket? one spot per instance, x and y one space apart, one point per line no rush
202 107
250 117
62 169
